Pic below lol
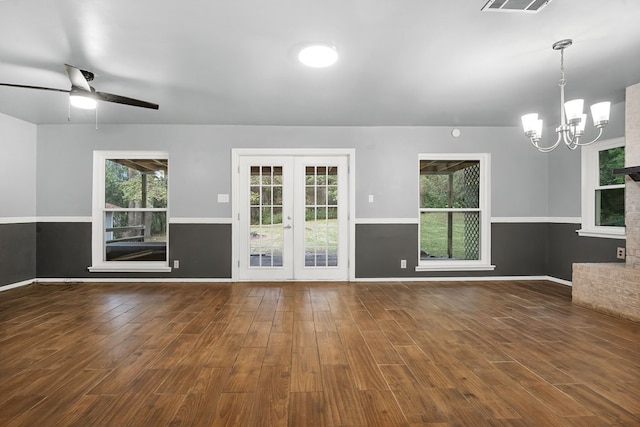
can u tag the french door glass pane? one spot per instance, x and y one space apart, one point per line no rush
610 207
135 236
265 211
321 216
450 235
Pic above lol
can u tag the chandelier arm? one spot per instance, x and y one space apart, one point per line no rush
592 141
547 149
569 137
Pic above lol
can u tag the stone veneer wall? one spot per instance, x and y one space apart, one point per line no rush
615 288
632 188
611 287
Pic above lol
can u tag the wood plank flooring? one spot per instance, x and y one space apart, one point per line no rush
314 354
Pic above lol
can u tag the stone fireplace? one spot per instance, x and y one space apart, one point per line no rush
614 288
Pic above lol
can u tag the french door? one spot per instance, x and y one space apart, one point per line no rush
293 218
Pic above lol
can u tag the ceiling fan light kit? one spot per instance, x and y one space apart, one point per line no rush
572 119
82 95
82 99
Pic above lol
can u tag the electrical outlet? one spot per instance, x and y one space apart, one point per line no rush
621 253
403 263
176 263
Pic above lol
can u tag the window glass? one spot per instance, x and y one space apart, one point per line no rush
609 201
450 235
449 184
451 212
609 160
603 203
133 183
135 236
135 210
610 207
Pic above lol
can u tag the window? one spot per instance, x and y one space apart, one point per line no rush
454 217
602 191
130 211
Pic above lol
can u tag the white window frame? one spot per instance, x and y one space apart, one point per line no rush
590 183
484 263
97 219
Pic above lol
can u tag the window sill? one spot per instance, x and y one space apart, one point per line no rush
604 234
455 267
129 269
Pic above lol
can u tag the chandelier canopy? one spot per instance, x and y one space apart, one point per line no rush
572 118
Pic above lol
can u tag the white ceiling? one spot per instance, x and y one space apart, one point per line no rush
402 62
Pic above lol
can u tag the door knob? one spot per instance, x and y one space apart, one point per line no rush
286 227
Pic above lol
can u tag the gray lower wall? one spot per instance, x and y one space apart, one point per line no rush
63 250
204 251
566 248
17 253
517 250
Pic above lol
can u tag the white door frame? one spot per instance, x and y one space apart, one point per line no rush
237 153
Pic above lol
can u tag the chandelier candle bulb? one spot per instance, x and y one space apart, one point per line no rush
573 110
600 113
581 125
537 129
529 122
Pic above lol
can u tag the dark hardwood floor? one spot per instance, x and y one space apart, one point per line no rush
307 354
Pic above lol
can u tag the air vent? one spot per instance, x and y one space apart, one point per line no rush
526 6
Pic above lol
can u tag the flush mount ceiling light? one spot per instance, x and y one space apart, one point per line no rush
318 55
572 120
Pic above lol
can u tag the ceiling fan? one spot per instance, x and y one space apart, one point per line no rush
82 95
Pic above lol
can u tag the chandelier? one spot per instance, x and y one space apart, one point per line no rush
572 119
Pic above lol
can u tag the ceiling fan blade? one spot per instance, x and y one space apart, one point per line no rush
34 87
77 77
125 100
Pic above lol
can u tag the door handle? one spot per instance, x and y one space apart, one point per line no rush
287 227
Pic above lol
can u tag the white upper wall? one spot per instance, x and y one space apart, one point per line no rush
17 168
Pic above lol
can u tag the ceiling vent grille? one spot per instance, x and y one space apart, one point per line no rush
526 6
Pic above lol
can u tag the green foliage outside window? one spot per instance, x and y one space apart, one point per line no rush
124 189
610 201
609 160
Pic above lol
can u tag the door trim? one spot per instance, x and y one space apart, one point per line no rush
237 153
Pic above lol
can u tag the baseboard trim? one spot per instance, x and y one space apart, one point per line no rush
58 281
229 280
463 279
16 285
559 281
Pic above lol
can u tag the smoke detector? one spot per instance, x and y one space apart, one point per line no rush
526 6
